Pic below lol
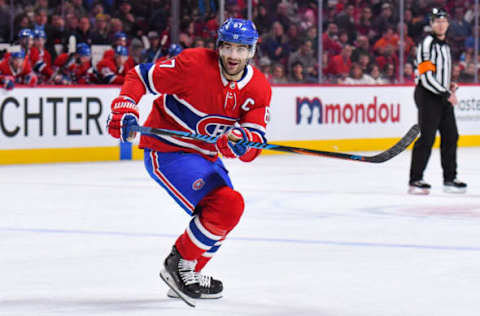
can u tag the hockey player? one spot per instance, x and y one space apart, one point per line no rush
173 51
16 68
208 92
112 71
40 58
74 67
119 39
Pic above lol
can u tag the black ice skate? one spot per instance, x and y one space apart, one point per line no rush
210 288
180 276
454 186
419 187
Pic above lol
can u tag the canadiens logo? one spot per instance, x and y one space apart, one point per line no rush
214 125
198 184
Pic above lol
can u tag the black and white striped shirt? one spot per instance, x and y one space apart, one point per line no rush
434 65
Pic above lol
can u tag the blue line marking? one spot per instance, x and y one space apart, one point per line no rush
247 239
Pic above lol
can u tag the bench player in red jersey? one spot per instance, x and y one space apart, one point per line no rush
212 92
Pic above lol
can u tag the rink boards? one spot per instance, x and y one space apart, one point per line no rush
68 124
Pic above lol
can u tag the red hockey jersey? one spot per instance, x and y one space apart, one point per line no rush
41 61
108 72
110 54
78 72
24 76
197 98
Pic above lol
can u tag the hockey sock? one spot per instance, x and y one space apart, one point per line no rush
220 212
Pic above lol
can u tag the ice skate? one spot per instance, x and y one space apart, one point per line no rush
454 186
180 276
419 187
210 288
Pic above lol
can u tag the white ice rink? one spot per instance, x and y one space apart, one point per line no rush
319 237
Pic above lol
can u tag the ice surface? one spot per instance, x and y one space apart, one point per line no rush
319 237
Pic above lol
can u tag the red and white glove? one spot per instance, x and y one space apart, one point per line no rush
124 115
227 146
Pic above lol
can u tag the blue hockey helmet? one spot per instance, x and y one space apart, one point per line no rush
18 54
238 31
25 33
39 33
119 35
83 49
174 50
121 51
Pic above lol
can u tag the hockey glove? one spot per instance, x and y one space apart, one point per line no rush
227 146
8 82
124 115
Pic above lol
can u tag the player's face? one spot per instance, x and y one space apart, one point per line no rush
440 26
38 42
234 58
120 60
84 59
17 63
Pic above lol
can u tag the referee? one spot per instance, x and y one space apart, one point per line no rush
435 98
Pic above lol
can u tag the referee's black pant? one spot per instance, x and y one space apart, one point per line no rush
434 113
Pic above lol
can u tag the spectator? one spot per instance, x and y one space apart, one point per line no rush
375 74
468 74
357 76
275 44
362 47
262 20
187 35
304 54
365 27
386 18
364 62
389 37
113 71
330 40
40 19
408 73
116 26
278 74
83 34
100 35
456 70
340 64
125 15
72 23
293 37
56 35
297 75
4 22
97 10
389 73
459 31
77 8
312 34
16 68
154 52
386 56
283 14
198 42
345 20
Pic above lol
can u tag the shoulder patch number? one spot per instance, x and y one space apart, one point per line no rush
167 64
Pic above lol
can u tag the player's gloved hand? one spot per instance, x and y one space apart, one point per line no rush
8 83
124 115
227 146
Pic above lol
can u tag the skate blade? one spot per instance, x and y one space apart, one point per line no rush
172 294
165 276
454 190
418 191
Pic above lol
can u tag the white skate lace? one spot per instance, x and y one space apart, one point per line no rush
186 271
204 280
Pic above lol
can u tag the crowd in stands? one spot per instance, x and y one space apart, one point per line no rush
360 40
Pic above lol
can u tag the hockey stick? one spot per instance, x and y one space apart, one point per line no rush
400 146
